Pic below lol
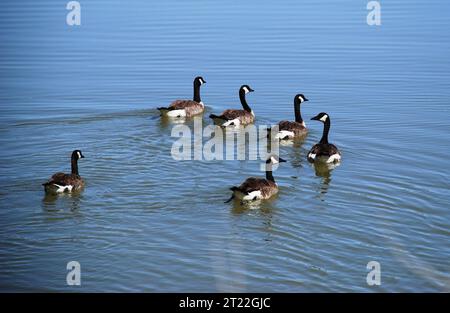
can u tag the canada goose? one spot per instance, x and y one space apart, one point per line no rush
258 188
234 117
186 108
288 129
61 182
324 151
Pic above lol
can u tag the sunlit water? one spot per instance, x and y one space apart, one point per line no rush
146 222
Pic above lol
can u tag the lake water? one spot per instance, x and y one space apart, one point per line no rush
146 222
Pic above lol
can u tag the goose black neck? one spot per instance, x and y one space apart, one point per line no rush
298 115
326 130
197 92
74 163
244 101
269 176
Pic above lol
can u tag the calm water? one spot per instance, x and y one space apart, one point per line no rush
148 223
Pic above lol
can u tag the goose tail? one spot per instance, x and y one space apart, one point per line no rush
163 110
216 118
229 200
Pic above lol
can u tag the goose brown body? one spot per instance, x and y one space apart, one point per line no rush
297 128
191 107
244 117
323 152
266 188
67 182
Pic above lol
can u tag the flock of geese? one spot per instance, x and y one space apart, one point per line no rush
252 188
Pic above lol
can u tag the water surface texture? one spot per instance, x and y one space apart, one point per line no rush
146 222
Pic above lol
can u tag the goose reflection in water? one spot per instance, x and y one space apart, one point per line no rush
61 202
262 209
263 206
324 170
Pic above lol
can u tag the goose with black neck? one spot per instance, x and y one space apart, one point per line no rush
186 108
297 128
254 188
234 117
61 182
324 151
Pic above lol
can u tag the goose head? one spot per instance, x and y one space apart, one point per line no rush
199 81
323 117
76 155
245 89
300 98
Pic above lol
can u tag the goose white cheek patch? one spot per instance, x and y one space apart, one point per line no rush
246 90
324 118
79 155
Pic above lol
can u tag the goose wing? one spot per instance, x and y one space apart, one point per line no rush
182 104
231 114
290 126
252 184
62 179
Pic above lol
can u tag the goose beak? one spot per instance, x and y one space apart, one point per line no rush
315 118
306 99
82 156
251 90
281 160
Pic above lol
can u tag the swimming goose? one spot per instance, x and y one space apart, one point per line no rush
61 182
234 117
288 129
186 108
324 151
258 188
